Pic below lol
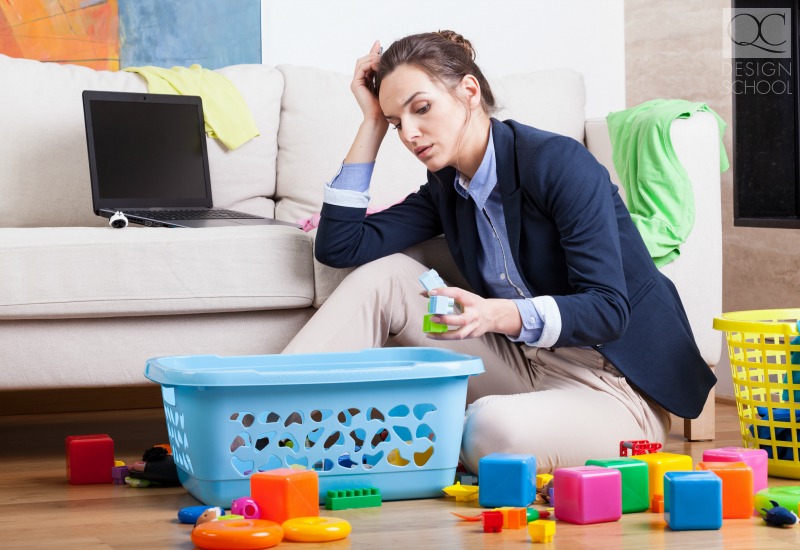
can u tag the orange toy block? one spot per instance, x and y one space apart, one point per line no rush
737 487
285 493
657 504
514 518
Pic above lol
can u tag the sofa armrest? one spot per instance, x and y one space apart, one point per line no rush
697 272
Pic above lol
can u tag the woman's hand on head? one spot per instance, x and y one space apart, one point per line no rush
362 85
477 316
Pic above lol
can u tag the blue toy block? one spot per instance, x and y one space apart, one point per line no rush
506 480
693 500
430 280
441 305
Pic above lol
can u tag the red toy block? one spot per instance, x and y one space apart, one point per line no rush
638 447
492 521
90 458
285 493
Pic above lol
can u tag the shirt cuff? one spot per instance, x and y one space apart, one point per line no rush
541 321
353 177
350 186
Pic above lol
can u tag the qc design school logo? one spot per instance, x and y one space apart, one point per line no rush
757 33
757 51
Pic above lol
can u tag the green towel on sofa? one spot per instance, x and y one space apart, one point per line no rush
226 114
659 193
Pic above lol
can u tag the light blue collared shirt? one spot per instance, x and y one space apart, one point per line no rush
541 319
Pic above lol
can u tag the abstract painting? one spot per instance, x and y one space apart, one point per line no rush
113 34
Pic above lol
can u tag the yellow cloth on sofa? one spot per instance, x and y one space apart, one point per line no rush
227 116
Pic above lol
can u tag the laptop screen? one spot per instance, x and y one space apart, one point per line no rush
146 150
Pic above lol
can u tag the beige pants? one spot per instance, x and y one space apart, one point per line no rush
563 406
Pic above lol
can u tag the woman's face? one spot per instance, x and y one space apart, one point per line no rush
428 119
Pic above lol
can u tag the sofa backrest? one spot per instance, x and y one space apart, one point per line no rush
320 117
44 168
307 118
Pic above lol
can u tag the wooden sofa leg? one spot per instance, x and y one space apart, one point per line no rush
702 428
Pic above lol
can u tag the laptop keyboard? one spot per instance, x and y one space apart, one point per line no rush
190 214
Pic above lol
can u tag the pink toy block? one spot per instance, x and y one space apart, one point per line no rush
588 494
755 458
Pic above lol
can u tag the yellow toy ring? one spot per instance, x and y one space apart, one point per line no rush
315 529
236 534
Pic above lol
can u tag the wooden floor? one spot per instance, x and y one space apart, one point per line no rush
38 509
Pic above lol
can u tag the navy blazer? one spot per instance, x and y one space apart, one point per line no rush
571 238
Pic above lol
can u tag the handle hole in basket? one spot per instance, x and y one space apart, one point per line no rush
321 415
404 434
295 418
425 432
336 438
358 435
420 459
375 414
346 416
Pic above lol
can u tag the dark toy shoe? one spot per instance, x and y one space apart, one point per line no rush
156 466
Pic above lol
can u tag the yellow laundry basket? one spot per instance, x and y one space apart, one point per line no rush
764 351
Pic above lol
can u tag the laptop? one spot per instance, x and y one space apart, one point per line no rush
148 160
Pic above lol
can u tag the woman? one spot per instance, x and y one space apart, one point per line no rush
585 343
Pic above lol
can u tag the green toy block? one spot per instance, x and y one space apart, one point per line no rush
430 326
635 482
352 498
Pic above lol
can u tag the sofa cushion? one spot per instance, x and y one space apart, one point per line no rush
44 168
102 272
319 119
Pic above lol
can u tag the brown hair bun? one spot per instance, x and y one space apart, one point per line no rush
456 38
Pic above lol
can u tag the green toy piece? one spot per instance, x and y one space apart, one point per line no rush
353 498
430 326
635 482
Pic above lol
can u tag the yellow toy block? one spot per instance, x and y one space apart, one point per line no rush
542 530
660 463
542 480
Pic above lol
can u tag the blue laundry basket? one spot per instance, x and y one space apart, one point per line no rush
388 418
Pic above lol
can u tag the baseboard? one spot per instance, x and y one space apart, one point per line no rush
66 400
725 399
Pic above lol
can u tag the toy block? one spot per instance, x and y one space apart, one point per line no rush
657 504
90 458
692 500
430 326
542 530
755 458
430 280
466 479
492 521
506 480
635 484
441 305
118 474
285 493
513 518
588 494
737 487
542 480
353 498
638 447
660 463
787 497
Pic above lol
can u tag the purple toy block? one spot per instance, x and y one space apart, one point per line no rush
118 474
755 458
588 494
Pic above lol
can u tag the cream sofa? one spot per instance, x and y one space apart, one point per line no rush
83 305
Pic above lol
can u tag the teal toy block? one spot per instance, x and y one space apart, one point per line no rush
353 498
693 500
430 280
506 480
430 326
441 305
635 483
